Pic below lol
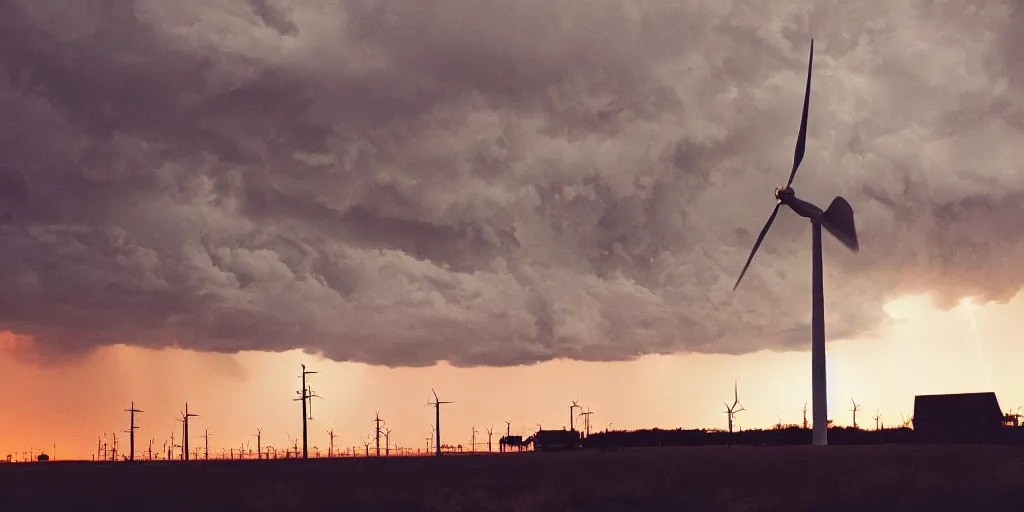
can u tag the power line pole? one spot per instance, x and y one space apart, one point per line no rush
586 416
259 445
377 421
330 449
306 394
131 430
206 448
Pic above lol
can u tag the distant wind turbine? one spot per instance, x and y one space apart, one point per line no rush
735 407
575 405
184 420
437 420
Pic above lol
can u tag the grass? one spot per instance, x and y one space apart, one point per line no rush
836 478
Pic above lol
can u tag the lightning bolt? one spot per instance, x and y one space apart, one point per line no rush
969 307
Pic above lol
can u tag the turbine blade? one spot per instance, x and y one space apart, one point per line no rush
801 139
760 238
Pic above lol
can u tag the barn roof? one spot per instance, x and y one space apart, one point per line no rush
956 407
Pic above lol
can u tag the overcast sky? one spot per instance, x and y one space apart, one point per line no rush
495 183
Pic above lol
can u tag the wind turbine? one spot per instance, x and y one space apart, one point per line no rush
259 443
184 420
837 219
571 407
854 411
437 420
732 410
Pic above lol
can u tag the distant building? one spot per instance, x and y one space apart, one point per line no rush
43 457
964 418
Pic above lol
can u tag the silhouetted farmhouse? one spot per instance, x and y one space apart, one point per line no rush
43 457
963 418
549 440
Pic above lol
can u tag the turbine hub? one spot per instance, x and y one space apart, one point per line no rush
783 191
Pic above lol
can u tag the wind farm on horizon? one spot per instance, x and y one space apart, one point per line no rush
575 435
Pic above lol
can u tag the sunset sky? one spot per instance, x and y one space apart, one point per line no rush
516 203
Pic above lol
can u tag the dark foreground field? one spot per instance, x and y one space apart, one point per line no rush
707 478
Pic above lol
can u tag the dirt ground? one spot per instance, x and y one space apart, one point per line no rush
706 478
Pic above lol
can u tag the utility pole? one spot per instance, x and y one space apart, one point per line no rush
150 454
586 420
206 448
472 440
131 430
305 395
490 430
113 450
330 449
387 443
508 434
377 421
805 415
259 446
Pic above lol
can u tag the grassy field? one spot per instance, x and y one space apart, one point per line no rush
706 478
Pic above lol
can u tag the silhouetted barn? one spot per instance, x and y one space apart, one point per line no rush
964 418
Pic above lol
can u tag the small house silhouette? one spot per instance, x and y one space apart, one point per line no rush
963 418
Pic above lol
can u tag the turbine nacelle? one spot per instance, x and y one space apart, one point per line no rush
784 190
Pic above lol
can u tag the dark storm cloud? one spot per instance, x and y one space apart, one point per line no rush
494 183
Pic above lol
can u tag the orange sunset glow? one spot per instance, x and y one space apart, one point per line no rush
924 351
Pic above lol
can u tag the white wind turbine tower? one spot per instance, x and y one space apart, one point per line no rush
854 411
735 407
437 420
837 219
